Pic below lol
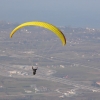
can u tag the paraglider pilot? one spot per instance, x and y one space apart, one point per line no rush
34 70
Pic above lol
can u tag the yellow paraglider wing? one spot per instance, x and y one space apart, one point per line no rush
48 26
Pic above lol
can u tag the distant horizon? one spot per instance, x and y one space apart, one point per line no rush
50 23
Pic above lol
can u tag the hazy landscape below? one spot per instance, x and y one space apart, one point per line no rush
78 61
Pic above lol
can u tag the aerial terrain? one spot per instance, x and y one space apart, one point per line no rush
69 72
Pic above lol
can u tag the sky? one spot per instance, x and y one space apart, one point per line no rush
73 13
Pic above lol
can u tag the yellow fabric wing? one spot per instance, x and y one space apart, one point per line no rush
48 26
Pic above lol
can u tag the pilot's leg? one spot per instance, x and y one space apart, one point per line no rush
34 72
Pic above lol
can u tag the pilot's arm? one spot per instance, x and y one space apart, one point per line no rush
32 68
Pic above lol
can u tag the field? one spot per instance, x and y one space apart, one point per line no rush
78 61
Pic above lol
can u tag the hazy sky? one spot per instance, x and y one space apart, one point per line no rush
75 13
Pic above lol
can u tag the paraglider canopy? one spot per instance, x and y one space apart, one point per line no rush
48 26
